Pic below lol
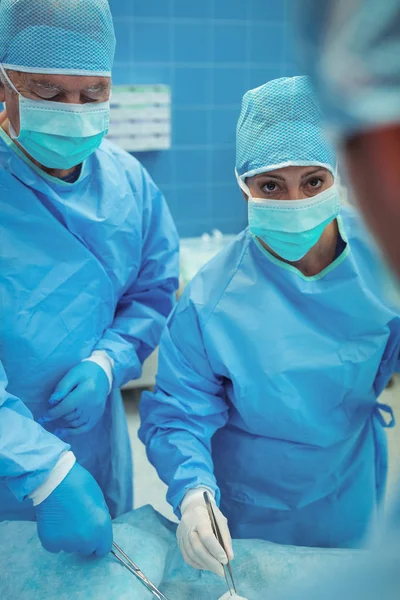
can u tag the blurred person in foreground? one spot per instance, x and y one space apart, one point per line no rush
352 55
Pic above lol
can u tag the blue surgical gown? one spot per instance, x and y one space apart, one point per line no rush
91 265
267 392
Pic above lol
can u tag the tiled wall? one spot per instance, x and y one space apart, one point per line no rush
210 52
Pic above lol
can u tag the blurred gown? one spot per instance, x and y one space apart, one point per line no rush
352 57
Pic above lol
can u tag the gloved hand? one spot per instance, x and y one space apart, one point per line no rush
80 399
75 517
197 542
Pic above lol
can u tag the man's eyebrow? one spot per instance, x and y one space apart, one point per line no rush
46 85
99 87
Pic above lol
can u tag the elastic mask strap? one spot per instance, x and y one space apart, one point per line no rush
243 186
336 173
5 79
8 80
336 179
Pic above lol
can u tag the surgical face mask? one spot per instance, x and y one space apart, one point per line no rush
292 227
59 135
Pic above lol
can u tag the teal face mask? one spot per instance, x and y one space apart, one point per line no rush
292 227
59 135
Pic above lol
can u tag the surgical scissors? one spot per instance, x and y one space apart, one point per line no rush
216 530
134 569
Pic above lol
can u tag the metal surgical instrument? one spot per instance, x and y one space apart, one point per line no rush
134 569
216 530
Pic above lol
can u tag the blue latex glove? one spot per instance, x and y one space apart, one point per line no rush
75 517
80 399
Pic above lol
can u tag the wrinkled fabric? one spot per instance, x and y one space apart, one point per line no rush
73 37
351 54
259 568
86 266
267 393
27 451
280 125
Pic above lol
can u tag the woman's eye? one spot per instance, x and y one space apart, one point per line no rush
270 186
316 182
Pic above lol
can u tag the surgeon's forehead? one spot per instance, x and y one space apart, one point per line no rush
66 83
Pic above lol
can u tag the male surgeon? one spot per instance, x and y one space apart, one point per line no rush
89 268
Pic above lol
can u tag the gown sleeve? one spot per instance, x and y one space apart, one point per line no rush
144 307
28 453
185 410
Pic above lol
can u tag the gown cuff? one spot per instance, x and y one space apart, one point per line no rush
101 358
195 492
57 475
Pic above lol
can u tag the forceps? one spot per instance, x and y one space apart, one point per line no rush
214 524
134 569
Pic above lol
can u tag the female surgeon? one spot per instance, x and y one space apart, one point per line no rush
272 363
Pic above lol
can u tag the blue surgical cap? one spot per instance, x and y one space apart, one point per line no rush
280 125
70 37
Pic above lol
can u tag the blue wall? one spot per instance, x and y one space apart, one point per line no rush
210 52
